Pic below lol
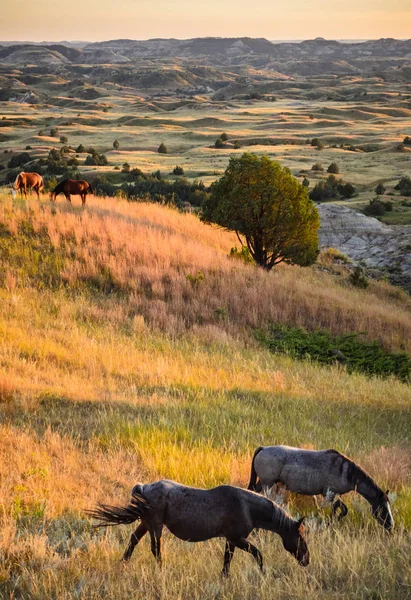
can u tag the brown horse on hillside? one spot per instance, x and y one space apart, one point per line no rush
72 186
31 181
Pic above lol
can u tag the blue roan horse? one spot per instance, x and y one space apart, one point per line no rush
196 515
318 472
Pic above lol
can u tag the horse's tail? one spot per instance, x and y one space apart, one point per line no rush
90 189
121 515
253 484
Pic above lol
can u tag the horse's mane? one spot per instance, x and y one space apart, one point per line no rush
18 178
59 187
356 473
281 519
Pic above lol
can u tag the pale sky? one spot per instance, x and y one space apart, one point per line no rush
95 20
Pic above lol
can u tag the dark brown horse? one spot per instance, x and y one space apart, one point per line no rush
196 515
73 187
29 181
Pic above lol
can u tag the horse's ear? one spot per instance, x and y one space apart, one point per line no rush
387 492
301 521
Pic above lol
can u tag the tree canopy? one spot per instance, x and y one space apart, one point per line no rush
268 208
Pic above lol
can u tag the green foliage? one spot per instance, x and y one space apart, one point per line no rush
54 132
116 144
336 254
80 149
404 186
96 159
317 143
63 139
196 279
377 207
407 141
323 347
306 182
317 167
219 143
243 254
237 145
178 170
333 168
380 189
330 189
358 278
224 137
125 168
19 160
264 203
162 149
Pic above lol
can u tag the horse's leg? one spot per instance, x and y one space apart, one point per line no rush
339 504
36 189
67 197
134 540
83 199
245 545
228 555
155 535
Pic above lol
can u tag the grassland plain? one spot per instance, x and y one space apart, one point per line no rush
127 354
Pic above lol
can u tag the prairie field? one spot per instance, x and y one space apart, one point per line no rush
127 353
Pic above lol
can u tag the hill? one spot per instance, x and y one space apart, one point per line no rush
127 353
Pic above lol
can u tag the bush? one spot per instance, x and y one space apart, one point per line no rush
323 347
358 278
28 148
377 207
237 145
63 139
404 186
224 137
116 144
80 149
96 159
162 149
346 190
306 182
407 141
317 143
54 132
244 254
317 167
333 168
178 170
380 189
219 143
125 168
18 160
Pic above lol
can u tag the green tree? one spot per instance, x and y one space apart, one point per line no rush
178 170
219 143
63 139
54 132
80 149
224 137
162 149
267 208
126 168
317 143
306 182
116 144
333 168
380 189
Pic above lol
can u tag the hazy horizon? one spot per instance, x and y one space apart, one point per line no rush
183 19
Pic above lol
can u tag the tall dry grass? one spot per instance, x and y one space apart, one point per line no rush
159 377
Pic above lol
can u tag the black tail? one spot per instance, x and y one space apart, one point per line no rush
253 484
90 189
121 515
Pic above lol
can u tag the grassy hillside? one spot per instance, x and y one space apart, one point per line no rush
127 353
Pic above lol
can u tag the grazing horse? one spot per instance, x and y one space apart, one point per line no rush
31 181
196 515
72 186
312 472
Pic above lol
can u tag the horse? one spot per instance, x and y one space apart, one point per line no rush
318 472
72 186
195 515
31 181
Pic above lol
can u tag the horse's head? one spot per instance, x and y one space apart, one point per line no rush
381 510
294 542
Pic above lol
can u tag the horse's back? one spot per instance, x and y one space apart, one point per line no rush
300 470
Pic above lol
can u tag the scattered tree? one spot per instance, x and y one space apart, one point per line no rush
377 207
178 170
162 149
126 168
237 145
63 139
219 143
407 141
380 189
116 144
404 186
54 132
80 149
224 137
18 160
306 182
317 167
264 204
317 143
333 168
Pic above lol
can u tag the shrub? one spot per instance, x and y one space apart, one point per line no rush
306 182
178 170
317 143
404 186
219 143
54 132
63 139
162 149
80 149
346 190
96 159
380 189
317 167
377 207
116 144
407 141
358 278
224 137
323 347
237 145
125 168
333 168
28 148
18 160
244 254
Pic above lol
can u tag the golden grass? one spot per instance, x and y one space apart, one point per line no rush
99 391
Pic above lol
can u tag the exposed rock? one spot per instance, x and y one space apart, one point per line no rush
378 246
